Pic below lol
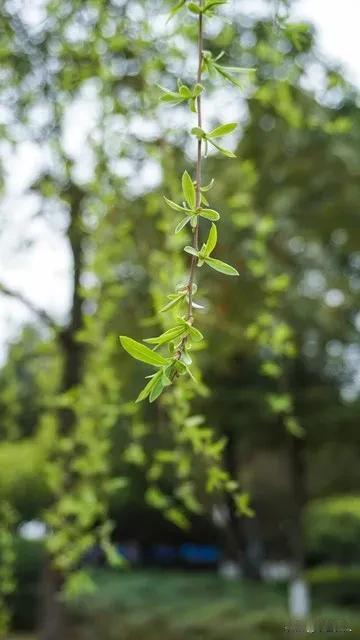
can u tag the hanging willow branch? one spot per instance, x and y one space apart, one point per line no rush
178 339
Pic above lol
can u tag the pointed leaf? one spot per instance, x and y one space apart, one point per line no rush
182 224
188 190
199 133
209 214
142 353
177 8
175 301
191 250
167 336
209 186
194 8
222 130
211 241
185 92
148 387
156 390
197 90
223 267
239 69
196 334
176 207
225 152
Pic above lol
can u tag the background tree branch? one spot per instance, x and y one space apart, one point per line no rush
41 314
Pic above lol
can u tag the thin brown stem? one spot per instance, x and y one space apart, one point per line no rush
194 259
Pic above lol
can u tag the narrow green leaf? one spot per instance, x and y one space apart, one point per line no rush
188 190
196 334
182 224
239 69
194 8
173 303
199 133
225 152
170 96
209 186
191 250
211 241
209 214
148 387
222 130
228 76
223 267
211 4
197 90
175 206
185 92
167 336
142 353
156 390
177 8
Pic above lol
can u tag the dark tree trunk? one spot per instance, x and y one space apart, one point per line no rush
54 619
241 541
298 483
54 623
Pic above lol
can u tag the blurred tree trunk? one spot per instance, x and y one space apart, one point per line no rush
241 540
299 492
54 623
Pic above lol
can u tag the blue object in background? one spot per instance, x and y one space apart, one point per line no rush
200 554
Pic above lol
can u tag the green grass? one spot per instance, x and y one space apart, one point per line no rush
182 606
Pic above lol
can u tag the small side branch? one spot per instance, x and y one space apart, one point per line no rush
42 315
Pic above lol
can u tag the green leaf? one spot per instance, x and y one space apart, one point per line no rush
191 250
188 190
156 390
226 72
294 427
175 300
147 389
223 267
212 4
242 501
196 334
211 241
209 214
167 336
176 207
177 517
170 96
239 69
185 92
222 130
225 152
177 8
197 90
199 133
182 224
209 186
194 8
142 353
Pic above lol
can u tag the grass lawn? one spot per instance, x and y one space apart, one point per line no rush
182 606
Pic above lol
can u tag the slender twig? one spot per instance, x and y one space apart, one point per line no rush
40 313
194 259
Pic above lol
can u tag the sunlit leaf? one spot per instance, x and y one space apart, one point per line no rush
188 190
223 267
141 352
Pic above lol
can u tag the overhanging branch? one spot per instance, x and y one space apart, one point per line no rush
42 315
